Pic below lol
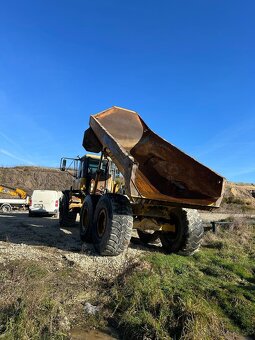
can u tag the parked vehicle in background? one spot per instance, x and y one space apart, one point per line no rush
9 204
44 202
20 199
16 192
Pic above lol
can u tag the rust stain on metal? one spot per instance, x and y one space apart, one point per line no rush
153 168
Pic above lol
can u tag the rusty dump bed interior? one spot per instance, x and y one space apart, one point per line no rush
153 168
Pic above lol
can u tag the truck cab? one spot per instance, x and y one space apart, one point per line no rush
92 174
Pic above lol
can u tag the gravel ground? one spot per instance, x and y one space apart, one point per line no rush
41 238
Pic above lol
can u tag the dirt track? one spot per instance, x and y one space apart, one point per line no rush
41 238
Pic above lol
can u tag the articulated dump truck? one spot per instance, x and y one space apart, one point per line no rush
140 181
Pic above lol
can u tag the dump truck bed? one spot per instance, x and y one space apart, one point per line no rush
153 169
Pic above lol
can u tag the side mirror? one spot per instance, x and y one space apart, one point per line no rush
63 165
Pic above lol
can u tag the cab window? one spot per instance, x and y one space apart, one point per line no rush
93 166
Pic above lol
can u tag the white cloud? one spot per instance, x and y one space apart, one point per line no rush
11 155
242 172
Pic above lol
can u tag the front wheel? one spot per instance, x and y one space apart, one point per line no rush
86 218
67 218
187 235
113 223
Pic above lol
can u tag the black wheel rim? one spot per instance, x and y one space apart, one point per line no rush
101 223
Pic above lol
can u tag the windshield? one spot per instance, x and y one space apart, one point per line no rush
93 166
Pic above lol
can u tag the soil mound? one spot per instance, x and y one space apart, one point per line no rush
30 178
239 197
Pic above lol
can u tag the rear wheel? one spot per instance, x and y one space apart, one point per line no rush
67 218
6 208
87 215
113 223
188 234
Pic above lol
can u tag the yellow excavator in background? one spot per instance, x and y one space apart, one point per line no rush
17 192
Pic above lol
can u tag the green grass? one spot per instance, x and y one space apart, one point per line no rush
38 301
207 296
29 308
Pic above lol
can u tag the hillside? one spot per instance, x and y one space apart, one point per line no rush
238 198
30 178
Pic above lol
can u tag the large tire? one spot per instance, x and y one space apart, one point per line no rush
113 223
87 216
147 237
67 218
188 233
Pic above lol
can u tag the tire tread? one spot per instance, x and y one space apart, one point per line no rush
119 233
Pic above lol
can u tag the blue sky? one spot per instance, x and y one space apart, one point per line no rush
187 67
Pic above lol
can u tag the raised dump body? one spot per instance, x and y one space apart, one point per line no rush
153 169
